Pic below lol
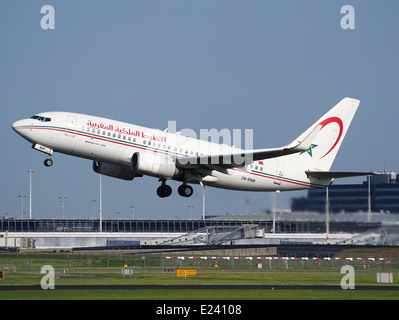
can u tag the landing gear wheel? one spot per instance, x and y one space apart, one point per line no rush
48 162
185 190
164 191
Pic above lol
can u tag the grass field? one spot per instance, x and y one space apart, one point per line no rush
200 295
105 270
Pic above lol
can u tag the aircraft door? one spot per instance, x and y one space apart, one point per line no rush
71 126
279 174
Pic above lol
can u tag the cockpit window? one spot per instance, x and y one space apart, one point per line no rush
42 119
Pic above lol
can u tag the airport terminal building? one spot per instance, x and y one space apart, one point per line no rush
379 193
256 230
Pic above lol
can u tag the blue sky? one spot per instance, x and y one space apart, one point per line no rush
271 66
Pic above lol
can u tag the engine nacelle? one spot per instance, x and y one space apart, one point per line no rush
154 165
114 171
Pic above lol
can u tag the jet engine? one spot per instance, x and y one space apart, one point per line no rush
114 171
154 165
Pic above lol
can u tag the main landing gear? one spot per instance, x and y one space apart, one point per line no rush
165 191
185 190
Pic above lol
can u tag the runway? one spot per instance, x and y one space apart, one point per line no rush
200 287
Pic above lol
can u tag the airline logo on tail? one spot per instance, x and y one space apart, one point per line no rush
323 124
309 151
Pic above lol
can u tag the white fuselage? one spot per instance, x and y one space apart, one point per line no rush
114 142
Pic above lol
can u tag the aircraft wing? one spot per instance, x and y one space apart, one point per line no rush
248 156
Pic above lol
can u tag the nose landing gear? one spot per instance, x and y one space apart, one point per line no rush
49 161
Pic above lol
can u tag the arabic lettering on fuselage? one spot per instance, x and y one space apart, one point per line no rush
100 126
135 133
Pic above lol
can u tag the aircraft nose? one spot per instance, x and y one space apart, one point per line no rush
20 127
17 124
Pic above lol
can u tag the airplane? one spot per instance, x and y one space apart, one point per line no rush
126 151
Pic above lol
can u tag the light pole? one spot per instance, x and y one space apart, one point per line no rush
274 209
327 214
132 207
30 193
22 205
94 208
63 199
369 199
101 206
190 208
203 200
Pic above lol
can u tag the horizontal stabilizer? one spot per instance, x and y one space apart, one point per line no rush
337 174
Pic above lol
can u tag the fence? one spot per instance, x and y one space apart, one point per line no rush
165 261
274 263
